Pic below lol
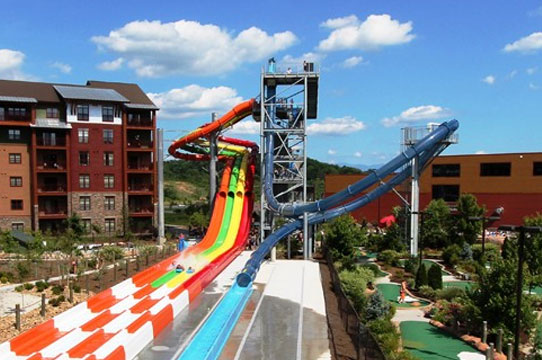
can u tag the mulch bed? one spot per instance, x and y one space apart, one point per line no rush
340 342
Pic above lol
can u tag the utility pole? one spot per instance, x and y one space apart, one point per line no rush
212 166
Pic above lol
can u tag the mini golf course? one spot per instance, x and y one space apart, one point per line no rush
430 343
391 293
429 263
465 285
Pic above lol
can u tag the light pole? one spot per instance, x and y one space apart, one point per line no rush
522 230
486 220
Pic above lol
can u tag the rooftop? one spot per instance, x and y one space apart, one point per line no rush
85 93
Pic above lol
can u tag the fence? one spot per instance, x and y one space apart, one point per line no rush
366 345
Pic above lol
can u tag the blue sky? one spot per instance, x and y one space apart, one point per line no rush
384 64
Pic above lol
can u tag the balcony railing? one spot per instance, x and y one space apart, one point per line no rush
139 144
139 121
51 142
51 188
141 209
140 166
53 211
51 165
140 187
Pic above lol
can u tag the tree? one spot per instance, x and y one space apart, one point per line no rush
434 277
421 276
467 230
435 231
377 306
533 249
536 351
341 235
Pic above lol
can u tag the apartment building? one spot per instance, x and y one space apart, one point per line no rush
85 149
512 181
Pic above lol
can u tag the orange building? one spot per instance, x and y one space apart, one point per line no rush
512 181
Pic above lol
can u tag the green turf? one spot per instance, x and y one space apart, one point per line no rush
391 293
465 285
537 290
429 263
427 342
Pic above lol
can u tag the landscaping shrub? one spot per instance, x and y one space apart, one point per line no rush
451 254
3 279
58 289
373 267
6 276
411 265
492 252
466 252
421 277
41 286
76 289
450 293
427 292
23 269
354 283
389 257
57 301
434 277
377 306
19 288
386 334
28 286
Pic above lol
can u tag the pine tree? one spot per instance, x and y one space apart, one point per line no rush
377 307
434 277
421 276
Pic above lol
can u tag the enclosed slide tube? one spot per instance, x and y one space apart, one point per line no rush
297 209
209 341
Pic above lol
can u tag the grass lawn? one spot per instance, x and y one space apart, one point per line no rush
391 293
427 342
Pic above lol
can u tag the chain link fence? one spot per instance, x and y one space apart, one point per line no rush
367 347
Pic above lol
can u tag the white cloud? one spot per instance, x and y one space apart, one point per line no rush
490 79
297 62
532 70
527 44
336 126
416 114
11 62
63 68
480 152
352 61
332 152
111 65
373 33
194 100
358 154
153 48
248 127
512 74
532 86
340 22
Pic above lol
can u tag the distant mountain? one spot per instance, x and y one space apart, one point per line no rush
362 167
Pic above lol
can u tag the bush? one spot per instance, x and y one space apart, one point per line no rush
76 289
389 257
3 279
373 267
451 254
58 289
354 283
386 334
19 288
377 307
434 277
411 265
28 286
427 292
421 276
55 302
41 286
450 293
466 252
111 253
23 269
492 252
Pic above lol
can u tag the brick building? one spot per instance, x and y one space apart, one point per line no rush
68 149
512 181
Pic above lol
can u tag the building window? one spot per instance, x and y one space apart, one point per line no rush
108 158
84 158
82 112
108 136
49 138
449 193
446 170
109 181
15 181
87 225
84 203
107 113
109 226
83 136
18 226
84 181
2 117
52 113
16 204
109 203
537 168
16 113
14 134
495 169
14 158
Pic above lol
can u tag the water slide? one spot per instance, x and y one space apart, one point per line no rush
210 340
119 322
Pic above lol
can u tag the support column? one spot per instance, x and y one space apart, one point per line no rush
160 169
212 166
306 248
414 207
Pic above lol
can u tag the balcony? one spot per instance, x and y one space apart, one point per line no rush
140 162
140 206
57 141
51 161
15 115
138 144
52 208
51 184
52 189
144 188
139 120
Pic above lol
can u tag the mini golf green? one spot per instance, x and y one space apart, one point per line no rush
391 293
429 263
537 290
465 285
427 342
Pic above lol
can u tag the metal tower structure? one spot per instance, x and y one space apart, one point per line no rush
409 137
289 97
